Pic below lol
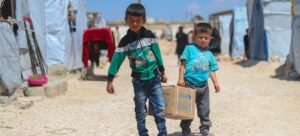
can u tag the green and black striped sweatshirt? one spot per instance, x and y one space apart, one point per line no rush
143 53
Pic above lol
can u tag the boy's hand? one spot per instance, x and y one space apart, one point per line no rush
164 78
217 88
110 88
181 83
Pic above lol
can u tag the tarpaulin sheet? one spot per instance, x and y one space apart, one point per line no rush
10 73
240 24
225 22
295 43
270 28
73 52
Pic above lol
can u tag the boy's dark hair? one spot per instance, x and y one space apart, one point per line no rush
203 28
135 9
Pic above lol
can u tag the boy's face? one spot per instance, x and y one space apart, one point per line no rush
135 22
202 39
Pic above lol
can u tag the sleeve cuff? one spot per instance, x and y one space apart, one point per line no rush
182 60
214 68
110 77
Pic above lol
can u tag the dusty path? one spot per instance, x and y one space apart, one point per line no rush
252 103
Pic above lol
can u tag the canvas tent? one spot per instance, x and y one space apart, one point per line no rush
225 21
269 28
232 25
294 55
50 21
57 44
240 24
73 51
10 76
222 21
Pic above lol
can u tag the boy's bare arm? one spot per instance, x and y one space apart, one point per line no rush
213 77
181 74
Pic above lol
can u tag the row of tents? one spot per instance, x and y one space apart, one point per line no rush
273 30
57 44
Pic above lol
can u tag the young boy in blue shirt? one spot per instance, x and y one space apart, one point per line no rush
141 47
197 65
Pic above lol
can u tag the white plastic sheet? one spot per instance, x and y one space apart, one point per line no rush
296 7
270 29
295 46
225 22
10 73
50 24
277 18
240 24
57 30
74 47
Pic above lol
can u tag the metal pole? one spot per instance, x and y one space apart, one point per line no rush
139 1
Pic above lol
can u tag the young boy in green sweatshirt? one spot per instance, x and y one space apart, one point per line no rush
141 48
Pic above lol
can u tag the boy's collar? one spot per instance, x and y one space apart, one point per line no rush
202 49
141 33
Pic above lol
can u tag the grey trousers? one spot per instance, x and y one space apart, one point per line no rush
202 104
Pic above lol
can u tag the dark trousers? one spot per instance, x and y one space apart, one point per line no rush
202 104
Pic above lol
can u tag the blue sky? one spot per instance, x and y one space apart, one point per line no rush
163 9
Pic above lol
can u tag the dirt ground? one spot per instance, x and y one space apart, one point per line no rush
252 102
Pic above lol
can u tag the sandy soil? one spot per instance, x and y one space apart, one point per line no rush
252 102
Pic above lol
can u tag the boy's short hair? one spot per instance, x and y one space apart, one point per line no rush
135 9
203 28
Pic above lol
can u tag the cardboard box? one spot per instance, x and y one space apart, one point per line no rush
179 102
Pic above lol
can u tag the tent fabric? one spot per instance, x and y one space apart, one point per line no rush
278 31
10 72
37 15
232 26
73 51
250 4
269 36
225 22
22 9
52 34
295 48
240 24
257 46
57 45
57 30
296 9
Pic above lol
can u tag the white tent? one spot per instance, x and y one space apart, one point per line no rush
269 28
73 52
225 21
232 25
50 21
10 76
57 44
294 56
240 24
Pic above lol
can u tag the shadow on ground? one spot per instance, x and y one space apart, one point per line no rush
96 78
179 134
286 72
248 63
